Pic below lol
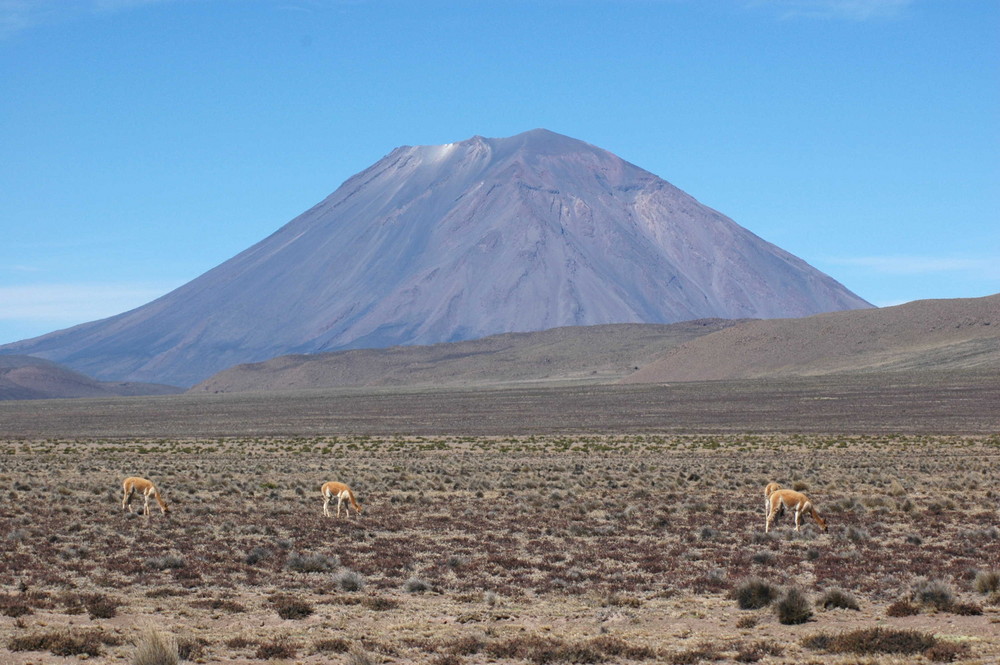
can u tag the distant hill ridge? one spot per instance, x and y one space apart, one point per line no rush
454 242
601 354
922 336
25 377
925 335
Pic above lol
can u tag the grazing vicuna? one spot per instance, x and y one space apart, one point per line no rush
769 489
132 485
341 491
798 502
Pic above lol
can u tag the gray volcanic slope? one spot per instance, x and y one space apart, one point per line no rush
445 243
960 334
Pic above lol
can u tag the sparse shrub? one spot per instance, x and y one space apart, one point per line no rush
466 645
800 486
966 609
154 648
348 580
165 562
765 557
257 555
703 651
64 643
945 652
754 594
902 608
190 648
794 608
416 585
312 563
619 648
359 658
289 607
868 641
838 598
218 604
380 603
751 653
747 622
933 593
14 606
100 606
987 581
332 645
277 648
239 642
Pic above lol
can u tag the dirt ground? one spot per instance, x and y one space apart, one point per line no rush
546 549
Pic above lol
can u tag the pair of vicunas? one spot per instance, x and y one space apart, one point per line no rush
133 485
777 500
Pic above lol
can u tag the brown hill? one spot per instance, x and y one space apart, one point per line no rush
26 377
603 353
925 335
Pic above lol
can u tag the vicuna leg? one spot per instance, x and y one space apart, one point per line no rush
127 500
340 500
326 505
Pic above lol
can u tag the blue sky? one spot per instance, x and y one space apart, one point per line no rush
143 142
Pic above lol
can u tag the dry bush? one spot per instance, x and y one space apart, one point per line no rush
279 647
932 593
312 563
65 642
154 648
753 594
987 581
331 645
872 641
902 608
348 580
751 653
703 651
794 608
289 607
838 598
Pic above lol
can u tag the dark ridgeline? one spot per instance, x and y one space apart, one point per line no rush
444 243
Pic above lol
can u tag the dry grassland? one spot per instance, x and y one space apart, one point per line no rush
556 549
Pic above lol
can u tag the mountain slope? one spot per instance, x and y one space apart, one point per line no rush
926 335
446 243
25 377
601 353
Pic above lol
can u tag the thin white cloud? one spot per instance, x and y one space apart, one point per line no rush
19 15
73 303
854 10
925 265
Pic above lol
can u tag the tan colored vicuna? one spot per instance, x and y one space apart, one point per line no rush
341 491
798 502
135 484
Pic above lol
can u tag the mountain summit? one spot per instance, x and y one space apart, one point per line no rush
453 242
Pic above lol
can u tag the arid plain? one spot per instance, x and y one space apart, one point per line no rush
578 524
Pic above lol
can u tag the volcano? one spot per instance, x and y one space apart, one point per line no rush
455 242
